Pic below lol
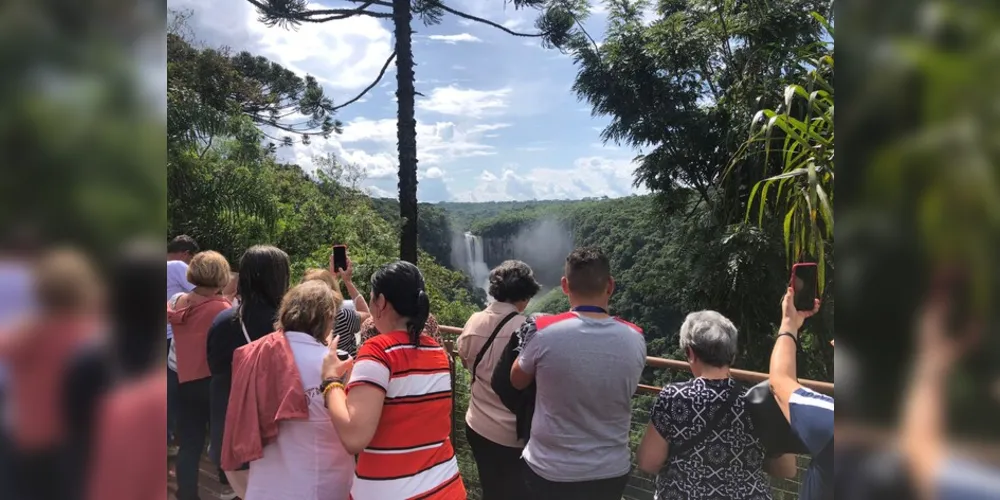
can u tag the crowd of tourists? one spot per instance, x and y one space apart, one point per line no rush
300 394
305 394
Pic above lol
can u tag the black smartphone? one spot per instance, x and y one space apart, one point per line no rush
339 257
805 284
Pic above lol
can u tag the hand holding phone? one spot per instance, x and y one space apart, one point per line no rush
805 283
339 258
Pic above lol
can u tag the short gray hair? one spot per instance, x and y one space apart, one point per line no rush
711 336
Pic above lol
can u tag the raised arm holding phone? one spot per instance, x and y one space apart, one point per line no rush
809 413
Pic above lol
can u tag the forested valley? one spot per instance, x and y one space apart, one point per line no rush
743 95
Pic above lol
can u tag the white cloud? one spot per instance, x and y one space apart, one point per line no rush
455 101
592 176
371 144
378 192
345 55
453 39
348 57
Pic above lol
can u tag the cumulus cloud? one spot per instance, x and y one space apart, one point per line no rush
455 101
453 39
371 145
590 177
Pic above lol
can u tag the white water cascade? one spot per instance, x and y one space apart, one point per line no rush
475 265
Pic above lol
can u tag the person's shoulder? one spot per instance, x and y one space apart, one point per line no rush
225 318
677 389
552 322
807 397
631 326
176 266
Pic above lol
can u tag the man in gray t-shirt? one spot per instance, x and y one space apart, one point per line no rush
586 366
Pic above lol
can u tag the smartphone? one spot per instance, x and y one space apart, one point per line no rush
343 355
805 284
339 257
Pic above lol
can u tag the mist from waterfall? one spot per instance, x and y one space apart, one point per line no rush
475 264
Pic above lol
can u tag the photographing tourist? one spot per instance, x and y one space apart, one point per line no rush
397 414
277 419
809 412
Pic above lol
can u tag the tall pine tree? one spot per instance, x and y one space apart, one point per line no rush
554 28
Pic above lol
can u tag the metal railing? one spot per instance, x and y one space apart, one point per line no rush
641 486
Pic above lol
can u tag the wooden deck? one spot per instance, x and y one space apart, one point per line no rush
208 484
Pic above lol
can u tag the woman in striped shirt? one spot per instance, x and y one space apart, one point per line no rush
395 411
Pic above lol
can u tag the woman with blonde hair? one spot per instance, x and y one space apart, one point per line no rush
277 420
190 315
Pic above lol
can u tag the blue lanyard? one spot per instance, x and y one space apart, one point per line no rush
589 309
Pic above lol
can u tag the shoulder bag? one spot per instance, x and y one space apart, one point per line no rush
489 342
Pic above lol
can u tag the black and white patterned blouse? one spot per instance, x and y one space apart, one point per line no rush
727 464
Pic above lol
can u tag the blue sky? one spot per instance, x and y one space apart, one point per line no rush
498 121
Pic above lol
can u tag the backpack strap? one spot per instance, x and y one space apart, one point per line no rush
489 342
688 445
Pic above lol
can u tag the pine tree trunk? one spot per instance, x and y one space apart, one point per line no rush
406 130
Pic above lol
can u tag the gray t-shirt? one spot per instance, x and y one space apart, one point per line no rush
586 371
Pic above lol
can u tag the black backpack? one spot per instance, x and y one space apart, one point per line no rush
769 424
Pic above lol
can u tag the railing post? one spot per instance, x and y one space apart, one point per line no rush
449 347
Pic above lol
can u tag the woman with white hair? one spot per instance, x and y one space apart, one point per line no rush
699 441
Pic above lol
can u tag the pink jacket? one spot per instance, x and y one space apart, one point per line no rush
266 389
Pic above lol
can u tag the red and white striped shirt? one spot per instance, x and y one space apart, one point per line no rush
411 455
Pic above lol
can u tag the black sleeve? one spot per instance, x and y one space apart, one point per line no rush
222 342
512 398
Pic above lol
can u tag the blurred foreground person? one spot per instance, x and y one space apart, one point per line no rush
394 408
38 354
190 315
277 419
809 413
490 428
263 281
579 442
701 429
126 458
938 474
17 301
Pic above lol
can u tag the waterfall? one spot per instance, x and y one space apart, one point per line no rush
475 265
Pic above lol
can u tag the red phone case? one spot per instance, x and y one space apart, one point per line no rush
795 267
